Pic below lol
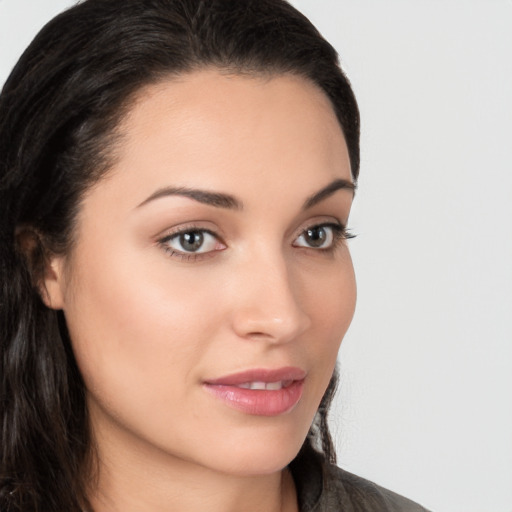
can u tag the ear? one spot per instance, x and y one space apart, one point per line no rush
51 286
46 269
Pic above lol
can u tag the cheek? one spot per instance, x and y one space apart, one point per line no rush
330 300
136 330
140 339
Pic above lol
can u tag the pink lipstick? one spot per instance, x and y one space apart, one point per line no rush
260 392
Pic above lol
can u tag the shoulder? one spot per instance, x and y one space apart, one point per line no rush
343 490
324 487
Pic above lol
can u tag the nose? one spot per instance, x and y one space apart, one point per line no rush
267 302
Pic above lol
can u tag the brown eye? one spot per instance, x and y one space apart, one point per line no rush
318 237
192 241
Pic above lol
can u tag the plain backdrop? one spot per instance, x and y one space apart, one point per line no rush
425 401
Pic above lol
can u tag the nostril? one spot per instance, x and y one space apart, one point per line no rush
258 334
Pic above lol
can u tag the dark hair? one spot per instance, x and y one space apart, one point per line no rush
59 111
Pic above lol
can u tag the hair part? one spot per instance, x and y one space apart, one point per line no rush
59 111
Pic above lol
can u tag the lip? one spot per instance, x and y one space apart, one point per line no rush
259 402
260 375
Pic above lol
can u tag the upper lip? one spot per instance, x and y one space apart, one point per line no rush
288 373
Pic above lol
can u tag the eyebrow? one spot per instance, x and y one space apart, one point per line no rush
329 190
217 199
221 200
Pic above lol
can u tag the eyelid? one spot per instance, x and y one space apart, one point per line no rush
195 225
320 220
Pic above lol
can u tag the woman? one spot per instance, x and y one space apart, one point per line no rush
176 179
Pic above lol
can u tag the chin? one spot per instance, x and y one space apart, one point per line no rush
261 463
261 452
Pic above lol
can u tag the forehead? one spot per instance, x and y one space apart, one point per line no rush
212 129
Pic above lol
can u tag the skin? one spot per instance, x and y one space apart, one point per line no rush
149 327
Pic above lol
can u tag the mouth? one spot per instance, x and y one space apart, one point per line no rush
260 392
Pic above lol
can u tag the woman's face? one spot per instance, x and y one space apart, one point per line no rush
210 285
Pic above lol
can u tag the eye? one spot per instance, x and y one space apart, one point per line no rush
191 241
322 236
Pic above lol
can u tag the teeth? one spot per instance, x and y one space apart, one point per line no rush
269 386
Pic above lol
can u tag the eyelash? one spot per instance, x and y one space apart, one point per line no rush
339 234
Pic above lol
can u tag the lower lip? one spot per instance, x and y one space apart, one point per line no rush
259 402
